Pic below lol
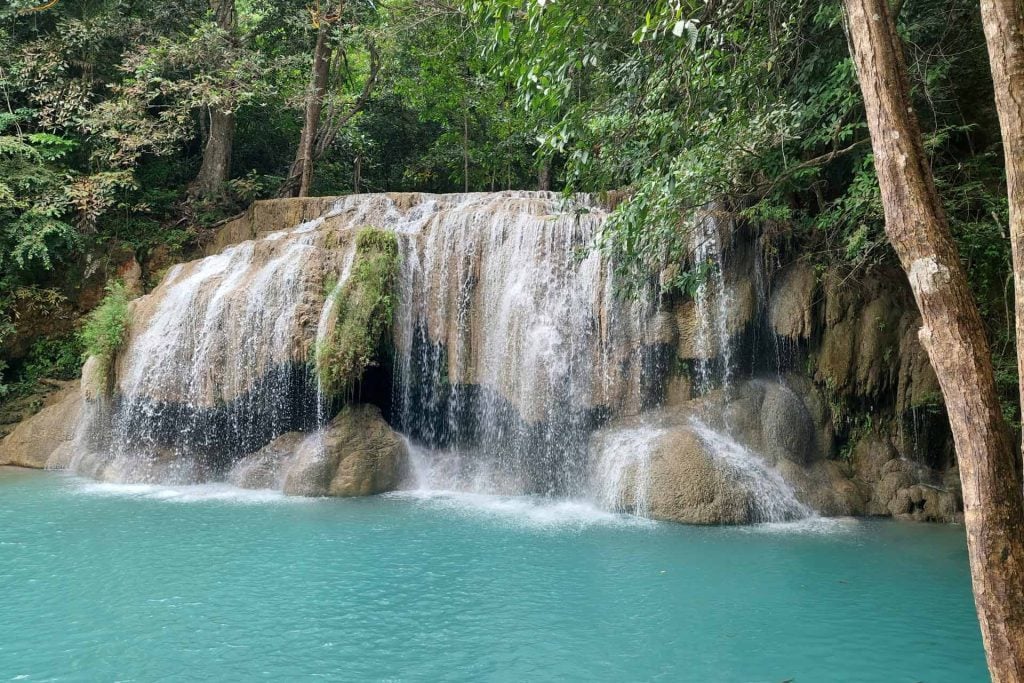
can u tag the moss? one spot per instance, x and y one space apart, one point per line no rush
364 309
103 334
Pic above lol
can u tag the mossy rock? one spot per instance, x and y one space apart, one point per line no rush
363 313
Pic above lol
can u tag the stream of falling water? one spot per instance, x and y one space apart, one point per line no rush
510 348
713 303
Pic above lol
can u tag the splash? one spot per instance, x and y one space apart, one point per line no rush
772 499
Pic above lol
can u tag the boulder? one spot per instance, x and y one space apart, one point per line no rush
825 487
769 417
787 429
265 468
34 440
686 485
357 454
664 464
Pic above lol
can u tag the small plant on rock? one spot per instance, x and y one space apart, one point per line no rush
103 334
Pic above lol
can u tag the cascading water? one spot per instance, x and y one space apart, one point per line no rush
506 330
771 498
622 463
216 369
510 348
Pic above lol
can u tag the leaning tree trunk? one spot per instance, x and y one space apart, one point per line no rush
952 334
216 166
300 178
1004 32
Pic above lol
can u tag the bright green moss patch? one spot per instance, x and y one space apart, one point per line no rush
364 308
103 334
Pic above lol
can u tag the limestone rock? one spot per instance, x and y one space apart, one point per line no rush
870 454
36 438
877 345
825 487
94 384
357 454
787 429
900 487
925 503
917 385
791 307
687 486
772 419
742 306
835 359
265 468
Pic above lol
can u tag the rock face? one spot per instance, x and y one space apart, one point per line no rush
52 429
766 456
267 467
356 454
899 487
791 306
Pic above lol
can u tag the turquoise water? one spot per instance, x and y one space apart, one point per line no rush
104 582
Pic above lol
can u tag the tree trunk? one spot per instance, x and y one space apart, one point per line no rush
1004 32
465 149
544 176
300 178
216 166
952 334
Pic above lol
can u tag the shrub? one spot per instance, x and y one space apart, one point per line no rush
103 334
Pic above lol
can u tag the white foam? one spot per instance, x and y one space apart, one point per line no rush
523 511
808 525
192 493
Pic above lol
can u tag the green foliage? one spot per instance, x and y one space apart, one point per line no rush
58 357
364 310
54 358
104 331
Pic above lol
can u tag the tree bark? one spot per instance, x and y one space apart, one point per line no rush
952 334
216 167
1004 33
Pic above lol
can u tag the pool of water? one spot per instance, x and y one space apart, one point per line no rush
105 582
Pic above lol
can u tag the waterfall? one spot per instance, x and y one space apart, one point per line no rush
510 347
511 344
217 366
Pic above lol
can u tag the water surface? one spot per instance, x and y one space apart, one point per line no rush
140 583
